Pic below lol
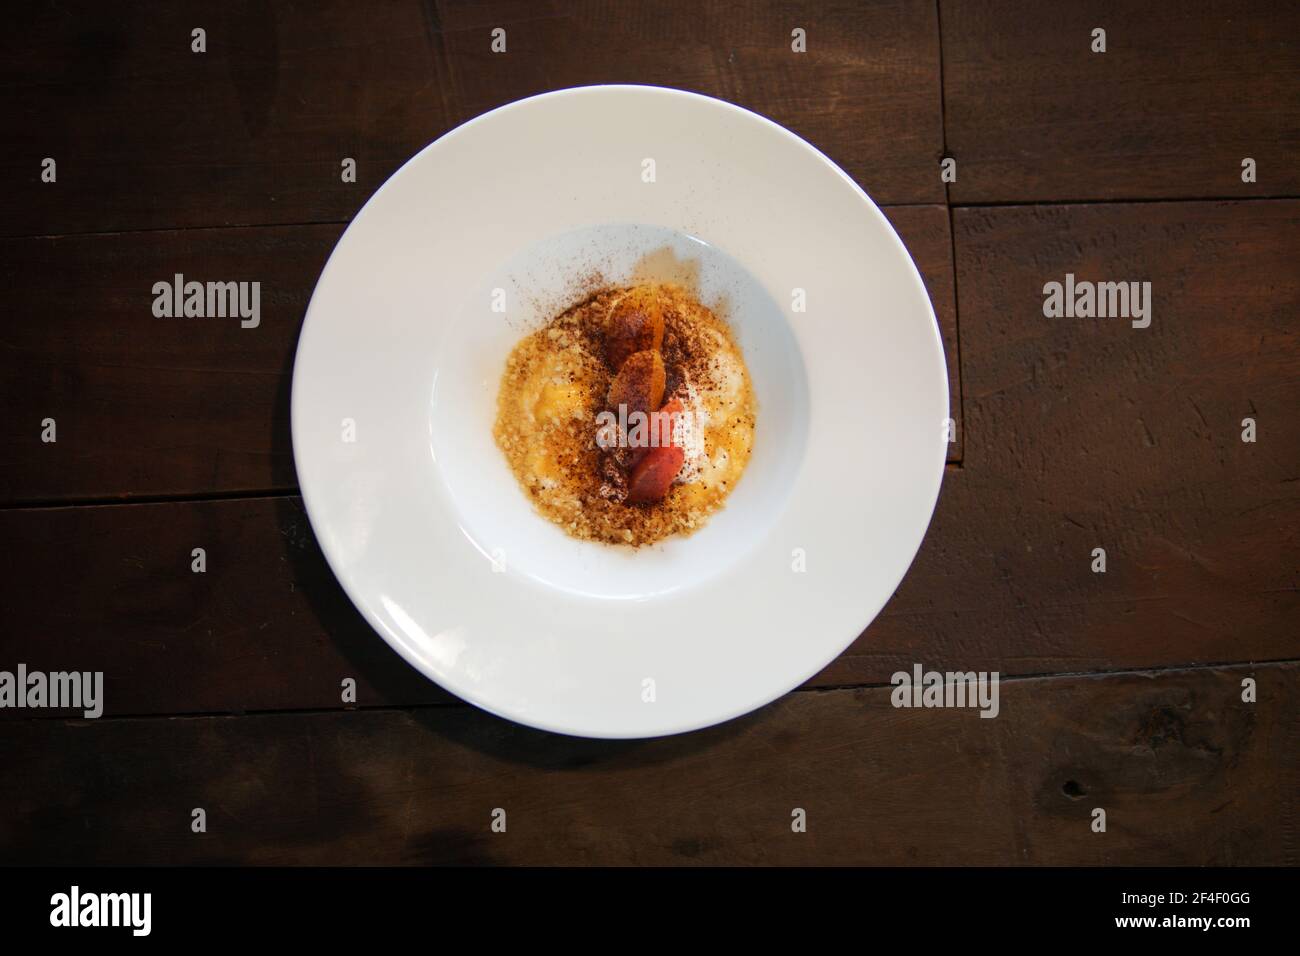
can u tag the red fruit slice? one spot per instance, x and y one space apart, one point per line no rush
653 474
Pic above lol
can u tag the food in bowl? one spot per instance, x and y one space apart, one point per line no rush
629 417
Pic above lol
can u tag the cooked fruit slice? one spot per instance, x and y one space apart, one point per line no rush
639 383
653 473
636 324
658 431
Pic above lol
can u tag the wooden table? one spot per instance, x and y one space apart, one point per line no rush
1121 690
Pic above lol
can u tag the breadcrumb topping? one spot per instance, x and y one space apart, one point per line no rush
556 383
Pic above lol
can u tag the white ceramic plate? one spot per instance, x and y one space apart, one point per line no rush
394 395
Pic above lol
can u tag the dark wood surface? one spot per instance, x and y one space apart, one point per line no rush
1185 771
148 134
146 406
1182 94
1123 690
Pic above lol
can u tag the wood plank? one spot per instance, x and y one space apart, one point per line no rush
1087 433
1187 773
267 627
866 92
1180 97
155 406
264 627
926 232
147 133
145 405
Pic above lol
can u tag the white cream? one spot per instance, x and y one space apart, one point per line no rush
693 439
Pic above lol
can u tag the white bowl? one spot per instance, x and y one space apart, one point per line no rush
394 395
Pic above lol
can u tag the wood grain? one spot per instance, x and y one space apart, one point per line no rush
145 405
149 134
866 92
1088 433
1181 96
174 406
264 627
1186 772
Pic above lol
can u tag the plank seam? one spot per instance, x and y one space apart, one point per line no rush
459 704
